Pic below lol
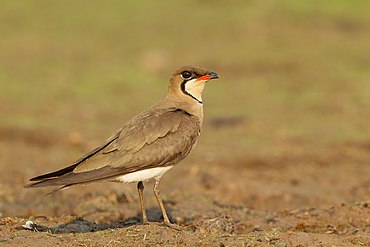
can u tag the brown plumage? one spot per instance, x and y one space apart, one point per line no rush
148 145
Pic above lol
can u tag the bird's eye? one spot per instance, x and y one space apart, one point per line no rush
186 74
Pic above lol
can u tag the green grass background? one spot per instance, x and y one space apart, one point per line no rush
296 72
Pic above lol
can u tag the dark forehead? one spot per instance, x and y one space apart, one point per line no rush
193 69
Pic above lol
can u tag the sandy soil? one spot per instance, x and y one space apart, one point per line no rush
292 199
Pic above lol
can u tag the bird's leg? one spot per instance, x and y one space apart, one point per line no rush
160 202
140 189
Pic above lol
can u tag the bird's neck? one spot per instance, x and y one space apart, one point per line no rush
187 104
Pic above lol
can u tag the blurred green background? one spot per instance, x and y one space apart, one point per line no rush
294 74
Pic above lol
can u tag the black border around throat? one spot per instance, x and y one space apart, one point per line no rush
187 93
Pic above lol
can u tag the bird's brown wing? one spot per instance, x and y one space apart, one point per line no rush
158 137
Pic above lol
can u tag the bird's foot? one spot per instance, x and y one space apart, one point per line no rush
173 226
167 224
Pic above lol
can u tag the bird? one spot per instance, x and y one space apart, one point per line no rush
148 145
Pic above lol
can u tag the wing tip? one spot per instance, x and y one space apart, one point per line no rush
36 184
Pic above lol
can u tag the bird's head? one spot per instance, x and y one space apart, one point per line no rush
189 82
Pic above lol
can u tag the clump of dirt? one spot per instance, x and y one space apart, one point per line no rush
220 224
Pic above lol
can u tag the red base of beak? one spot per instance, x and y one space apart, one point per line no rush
204 78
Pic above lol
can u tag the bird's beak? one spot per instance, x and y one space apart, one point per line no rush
209 76
213 75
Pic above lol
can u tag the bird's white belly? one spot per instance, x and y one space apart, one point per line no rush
144 175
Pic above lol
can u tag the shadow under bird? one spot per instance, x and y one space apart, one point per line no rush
148 145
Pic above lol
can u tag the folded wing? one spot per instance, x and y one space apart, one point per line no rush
158 137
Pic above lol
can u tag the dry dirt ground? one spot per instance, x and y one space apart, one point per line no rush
296 198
